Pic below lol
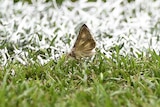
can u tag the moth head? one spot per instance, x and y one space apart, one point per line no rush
72 54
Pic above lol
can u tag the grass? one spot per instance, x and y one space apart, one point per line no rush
35 34
112 82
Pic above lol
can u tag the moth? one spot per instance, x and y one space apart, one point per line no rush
84 45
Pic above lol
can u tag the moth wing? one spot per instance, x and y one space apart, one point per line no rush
85 41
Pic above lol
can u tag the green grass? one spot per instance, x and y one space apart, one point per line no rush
102 82
38 30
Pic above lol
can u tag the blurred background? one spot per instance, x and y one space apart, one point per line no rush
43 30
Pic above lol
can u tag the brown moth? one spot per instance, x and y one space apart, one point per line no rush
84 44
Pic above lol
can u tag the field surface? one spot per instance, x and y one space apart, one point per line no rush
35 37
